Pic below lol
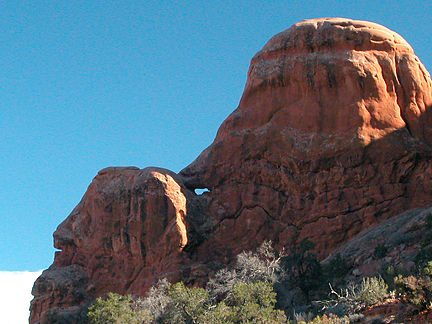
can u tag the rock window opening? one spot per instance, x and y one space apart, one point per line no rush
200 191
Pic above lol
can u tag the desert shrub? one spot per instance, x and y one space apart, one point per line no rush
416 289
427 270
372 290
344 301
117 309
157 300
255 303
219 314
303 269
188 304
327 319
337 267
302 317
380 251
252 302
355 297
428 220
262 265
330 319
238 295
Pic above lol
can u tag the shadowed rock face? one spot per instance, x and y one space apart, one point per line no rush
331 137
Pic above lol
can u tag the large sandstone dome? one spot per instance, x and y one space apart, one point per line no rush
332 136
325 87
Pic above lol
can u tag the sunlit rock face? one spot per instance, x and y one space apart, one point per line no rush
322 88
332 136
129 229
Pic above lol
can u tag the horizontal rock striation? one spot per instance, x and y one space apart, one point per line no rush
331 137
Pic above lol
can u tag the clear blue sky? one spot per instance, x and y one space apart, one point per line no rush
90 84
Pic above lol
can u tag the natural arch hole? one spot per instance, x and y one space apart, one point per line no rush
200 191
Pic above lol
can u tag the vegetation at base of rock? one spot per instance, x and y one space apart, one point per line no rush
416 289
372 290
303 268
328 319
337 268
263 265
248 303
117 309
354 298
380 251
242 294
254 288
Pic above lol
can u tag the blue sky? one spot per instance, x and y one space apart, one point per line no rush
90 84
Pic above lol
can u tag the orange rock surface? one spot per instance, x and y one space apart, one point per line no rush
331 137
128 229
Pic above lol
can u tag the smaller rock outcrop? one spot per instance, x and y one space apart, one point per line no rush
129 229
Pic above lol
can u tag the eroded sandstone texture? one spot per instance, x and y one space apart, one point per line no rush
129 228
332 136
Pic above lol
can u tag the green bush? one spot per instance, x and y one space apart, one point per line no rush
242 294
117 309
303 269
188 304
219 314
262 265
372 290
329 319
355 297
247 303
380 251
157 301
416 289
246 293
427 270
337 267
255 303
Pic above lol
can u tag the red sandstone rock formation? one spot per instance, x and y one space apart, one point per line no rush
129 228
332 136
